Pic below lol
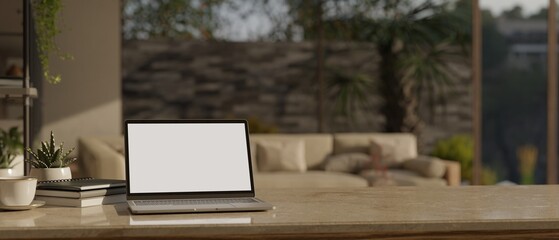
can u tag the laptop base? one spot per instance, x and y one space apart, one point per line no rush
257 205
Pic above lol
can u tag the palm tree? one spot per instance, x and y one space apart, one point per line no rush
416 42
417 45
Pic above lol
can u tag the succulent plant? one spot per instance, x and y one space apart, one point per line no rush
50 156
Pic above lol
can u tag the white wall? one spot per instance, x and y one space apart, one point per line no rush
88 100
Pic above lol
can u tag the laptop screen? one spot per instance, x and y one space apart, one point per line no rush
187 157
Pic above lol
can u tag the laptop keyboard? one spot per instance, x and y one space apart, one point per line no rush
177 202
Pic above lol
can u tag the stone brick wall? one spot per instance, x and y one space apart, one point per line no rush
270 82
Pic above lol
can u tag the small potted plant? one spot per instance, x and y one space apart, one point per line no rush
50 162
11 153
7 162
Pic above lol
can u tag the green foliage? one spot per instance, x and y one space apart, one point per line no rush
349 92
183 19
6 156
12 140
540 15
416 43
258 126
458 148
10 146
50 156
515 12
488 176
527 155
45 13
417 53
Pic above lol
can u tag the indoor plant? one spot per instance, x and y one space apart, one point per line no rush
45 15
11 152
6 161
50 162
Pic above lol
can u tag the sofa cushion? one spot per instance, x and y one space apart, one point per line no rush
426 166
384 154
116 143
317 146
347 162
285 155
99 157
404 145
309 179
401 177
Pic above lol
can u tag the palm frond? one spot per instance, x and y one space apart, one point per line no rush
349 92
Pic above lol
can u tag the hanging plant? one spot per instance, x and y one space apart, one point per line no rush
45 13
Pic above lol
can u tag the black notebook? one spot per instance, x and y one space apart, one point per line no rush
81 184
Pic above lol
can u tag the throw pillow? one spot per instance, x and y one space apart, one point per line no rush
426 166
348 162
281 156
383 154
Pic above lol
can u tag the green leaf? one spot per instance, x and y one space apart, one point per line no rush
69 161
44 147
45 14
56 155
49 155
52 143
42 156
32 153
68 153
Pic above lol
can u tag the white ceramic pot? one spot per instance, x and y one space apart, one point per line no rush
46 174
16 170
18 165
7 172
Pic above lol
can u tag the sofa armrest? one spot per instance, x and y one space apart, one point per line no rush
452 173
97 159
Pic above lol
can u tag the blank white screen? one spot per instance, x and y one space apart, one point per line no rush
187 157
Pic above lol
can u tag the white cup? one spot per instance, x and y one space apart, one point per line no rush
17 191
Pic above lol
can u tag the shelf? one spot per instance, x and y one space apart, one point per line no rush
18 92
11 34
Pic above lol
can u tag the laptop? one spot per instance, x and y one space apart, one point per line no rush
188 166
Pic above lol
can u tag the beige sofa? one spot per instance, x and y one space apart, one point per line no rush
102 157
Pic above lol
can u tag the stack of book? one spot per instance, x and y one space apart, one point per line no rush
81 192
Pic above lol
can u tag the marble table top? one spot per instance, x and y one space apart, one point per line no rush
313 211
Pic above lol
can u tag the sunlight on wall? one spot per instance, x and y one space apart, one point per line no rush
87 101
